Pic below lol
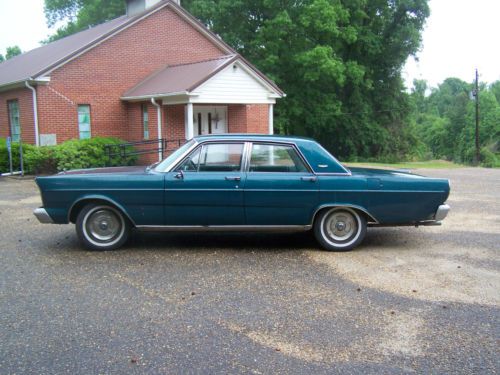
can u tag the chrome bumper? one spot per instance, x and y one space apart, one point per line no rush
42 216
441 212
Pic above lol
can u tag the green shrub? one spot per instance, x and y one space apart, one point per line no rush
4 155
73 154
489 159
89 153
40 160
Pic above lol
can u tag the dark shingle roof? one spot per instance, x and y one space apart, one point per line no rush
40 61
179 78
35 62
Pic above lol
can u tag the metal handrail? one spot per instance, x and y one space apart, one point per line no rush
123 149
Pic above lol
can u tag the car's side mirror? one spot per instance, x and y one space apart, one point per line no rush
179 175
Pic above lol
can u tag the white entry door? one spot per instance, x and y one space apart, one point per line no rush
209 120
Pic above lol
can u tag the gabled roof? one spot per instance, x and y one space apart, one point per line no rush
35 62
184 78
42 60
176 79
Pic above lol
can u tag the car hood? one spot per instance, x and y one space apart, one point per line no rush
109 170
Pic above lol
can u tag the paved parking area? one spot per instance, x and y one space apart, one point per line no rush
408 300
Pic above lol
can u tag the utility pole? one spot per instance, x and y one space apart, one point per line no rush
476 94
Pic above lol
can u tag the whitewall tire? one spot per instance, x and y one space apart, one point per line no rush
340 228
102 227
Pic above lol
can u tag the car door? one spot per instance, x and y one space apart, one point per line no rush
206 188
280 188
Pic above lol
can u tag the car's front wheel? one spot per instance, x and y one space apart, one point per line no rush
340 228
102 227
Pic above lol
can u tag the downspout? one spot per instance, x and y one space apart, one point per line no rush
35 112
158 116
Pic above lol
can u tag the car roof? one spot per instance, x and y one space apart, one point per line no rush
253 137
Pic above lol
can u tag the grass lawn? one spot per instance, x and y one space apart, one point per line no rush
431 164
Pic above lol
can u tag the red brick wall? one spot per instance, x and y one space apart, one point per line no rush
100 76
258 118
249 118
174 122
136 129
135 121
24 97
103 74
237 118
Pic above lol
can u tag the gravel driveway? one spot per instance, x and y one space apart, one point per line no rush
423 300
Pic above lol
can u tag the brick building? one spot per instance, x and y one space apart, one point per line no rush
155 72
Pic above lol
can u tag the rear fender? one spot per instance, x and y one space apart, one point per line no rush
370 218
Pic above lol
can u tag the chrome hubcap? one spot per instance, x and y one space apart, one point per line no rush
340 226
103 225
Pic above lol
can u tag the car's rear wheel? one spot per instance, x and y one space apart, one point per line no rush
340 228
102 227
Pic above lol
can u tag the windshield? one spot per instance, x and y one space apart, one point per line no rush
165 164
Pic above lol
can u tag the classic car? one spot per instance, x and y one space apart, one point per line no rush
241 182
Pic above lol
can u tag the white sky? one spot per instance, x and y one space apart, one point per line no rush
460 36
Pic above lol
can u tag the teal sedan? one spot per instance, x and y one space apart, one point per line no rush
237 182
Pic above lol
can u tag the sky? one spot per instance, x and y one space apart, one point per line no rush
460 36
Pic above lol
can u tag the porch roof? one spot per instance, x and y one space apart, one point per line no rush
182 81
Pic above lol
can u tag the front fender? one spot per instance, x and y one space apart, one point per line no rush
78 203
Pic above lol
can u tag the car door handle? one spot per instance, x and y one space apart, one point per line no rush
233 178
309 178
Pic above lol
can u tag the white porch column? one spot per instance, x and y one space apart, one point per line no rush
158 117
271 118
189 121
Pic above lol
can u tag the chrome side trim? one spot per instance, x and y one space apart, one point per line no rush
425 223
42 216
333 174
223 228
247 152
370 216
442 212
380 191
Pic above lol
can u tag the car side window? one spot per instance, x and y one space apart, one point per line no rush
190 164
214 157
275 158
221 157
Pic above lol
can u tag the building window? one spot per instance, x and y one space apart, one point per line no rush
15 125
145 121
84 121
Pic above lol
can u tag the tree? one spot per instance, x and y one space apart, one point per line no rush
445 120
2 59
338 61
495 90
12 51
80 14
